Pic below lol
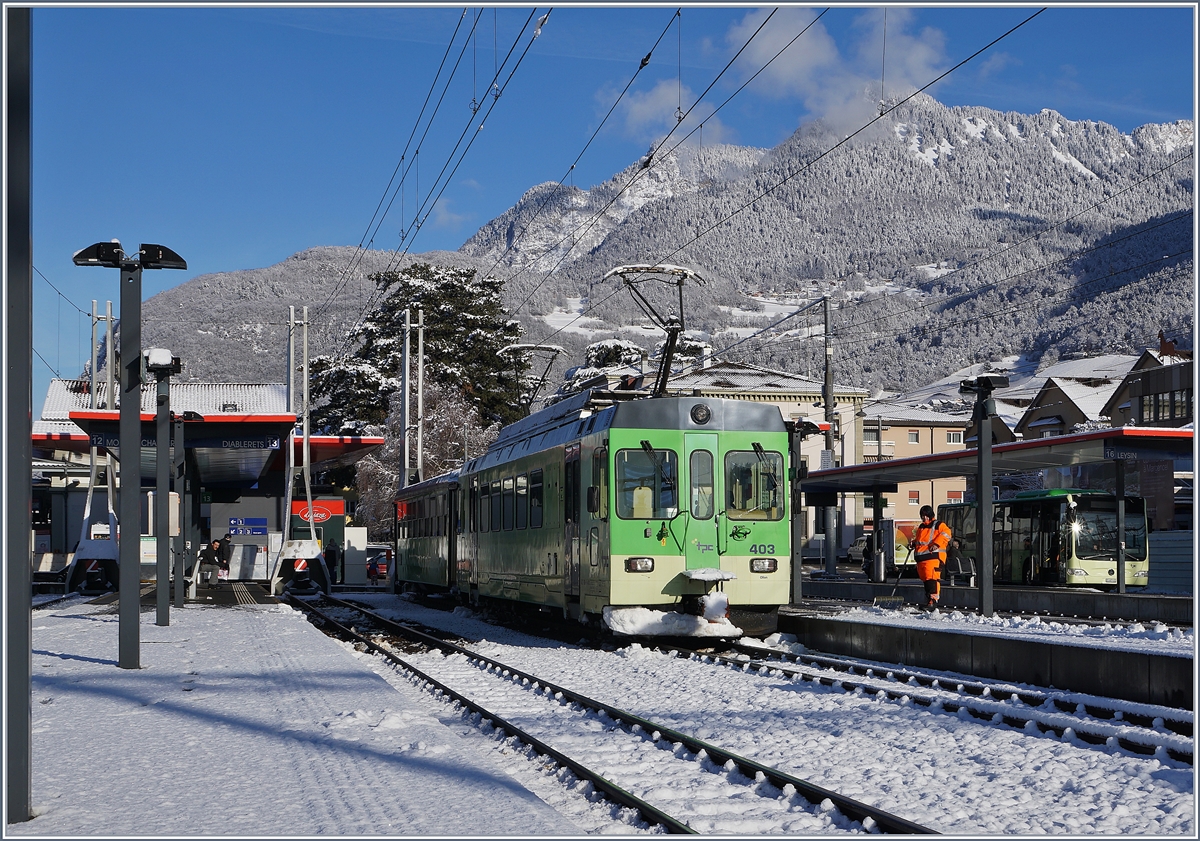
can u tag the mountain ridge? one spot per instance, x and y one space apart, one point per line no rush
983 223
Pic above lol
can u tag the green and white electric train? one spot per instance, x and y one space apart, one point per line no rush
611 500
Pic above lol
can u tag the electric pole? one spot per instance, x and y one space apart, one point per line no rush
830 417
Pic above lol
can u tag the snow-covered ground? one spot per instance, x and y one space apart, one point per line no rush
250 721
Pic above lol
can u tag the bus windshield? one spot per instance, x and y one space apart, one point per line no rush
1095 533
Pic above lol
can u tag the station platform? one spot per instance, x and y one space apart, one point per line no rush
828 627
245 722
228 594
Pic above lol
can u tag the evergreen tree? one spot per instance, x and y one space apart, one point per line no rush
466 331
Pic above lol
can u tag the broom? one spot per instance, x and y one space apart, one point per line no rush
893 601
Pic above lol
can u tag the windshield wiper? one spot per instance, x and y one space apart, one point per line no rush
648 448
767 465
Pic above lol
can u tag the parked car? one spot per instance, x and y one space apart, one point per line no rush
861 549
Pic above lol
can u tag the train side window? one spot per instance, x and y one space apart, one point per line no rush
497 505
472 510
535 499
522 500
700 466
485 505
509 503
441 515
598 491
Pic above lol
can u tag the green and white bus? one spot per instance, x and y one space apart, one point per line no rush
1060 536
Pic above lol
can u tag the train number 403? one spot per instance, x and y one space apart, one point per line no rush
763 548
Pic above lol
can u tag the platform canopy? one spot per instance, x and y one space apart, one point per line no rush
1017 457
235 433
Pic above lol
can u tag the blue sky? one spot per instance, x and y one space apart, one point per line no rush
239 136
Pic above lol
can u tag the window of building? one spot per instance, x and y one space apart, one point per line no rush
954 436
914 436
914 497
871 435
954 497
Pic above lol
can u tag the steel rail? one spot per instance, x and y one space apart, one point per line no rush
1181 726
853 809
1012 720
610 789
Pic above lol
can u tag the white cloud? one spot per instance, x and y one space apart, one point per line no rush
444 217
650 115
842 88
997 63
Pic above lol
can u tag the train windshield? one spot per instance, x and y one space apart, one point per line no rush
647 484
754 486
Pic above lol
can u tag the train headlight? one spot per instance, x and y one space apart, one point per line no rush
1141 573
639 565
701 414
763 565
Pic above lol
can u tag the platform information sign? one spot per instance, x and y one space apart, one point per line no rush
247 525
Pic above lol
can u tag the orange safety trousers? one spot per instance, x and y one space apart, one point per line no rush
931 573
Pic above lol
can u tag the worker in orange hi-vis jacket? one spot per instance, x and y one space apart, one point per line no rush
929 543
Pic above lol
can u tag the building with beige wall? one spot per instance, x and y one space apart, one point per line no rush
897 431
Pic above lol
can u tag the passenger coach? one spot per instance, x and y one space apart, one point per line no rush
606 501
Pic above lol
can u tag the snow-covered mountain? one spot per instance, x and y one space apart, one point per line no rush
553 224
946 237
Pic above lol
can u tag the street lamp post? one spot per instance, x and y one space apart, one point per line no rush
110 255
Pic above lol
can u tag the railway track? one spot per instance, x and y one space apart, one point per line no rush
542 714
1144 729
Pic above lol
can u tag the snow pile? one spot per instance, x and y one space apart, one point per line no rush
716 606
641 622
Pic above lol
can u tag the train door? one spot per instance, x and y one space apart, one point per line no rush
595 543
703 521
571 519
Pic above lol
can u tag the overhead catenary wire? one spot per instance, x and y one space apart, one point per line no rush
649 163
433 202
410 234
363 242
791 175
571 169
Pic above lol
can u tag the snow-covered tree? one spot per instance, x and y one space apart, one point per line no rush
466 331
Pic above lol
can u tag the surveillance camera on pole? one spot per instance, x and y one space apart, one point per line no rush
111 255
161 364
